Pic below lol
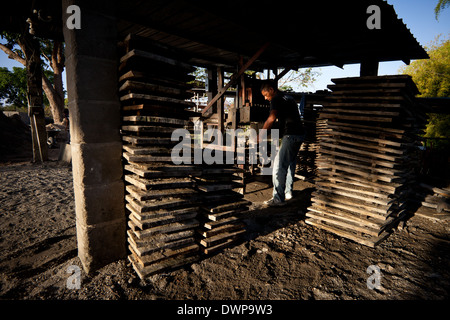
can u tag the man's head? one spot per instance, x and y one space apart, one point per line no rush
269 90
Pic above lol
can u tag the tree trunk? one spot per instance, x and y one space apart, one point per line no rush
34 95
57 63
56 103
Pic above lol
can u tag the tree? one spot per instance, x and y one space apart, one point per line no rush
432 77
442 4
53 58
13 86
301 78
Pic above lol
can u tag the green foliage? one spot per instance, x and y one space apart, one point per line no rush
432 77
13 86
300 78
442 4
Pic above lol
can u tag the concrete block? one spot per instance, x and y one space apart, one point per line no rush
96 163
99 245
94 122
97 36
100 203
91 78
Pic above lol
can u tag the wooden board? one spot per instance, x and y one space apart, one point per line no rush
215 208
158 184
148 97
220 238
148 129
220 229
165 265
223 214
136 53
170 227
228 242
176 171
156 204
156 120
154 78
343 223
144 195
154 150
369 241
155 247
164 255
157 89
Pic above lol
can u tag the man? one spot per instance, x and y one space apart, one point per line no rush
284 108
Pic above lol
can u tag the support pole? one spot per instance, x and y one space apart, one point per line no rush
369 68
282 74
220 101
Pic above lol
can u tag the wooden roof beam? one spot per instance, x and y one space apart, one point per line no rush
282 74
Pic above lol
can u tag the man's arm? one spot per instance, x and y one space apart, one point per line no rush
268 124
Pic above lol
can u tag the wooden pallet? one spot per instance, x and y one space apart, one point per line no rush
365 162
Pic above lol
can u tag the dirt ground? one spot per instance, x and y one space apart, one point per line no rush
280 258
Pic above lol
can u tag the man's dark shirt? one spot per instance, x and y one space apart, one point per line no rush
288 114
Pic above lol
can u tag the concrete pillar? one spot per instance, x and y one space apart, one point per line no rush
94 108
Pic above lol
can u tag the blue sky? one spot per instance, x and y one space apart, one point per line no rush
418 15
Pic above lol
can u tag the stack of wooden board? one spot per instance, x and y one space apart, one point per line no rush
367 157
306 158
222 202
161 198
222 207
433 202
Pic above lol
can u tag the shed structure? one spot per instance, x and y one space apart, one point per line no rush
231 36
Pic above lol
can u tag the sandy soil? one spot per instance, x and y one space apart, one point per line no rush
281 257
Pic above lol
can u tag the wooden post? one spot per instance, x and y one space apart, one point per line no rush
243 88
220 101
211 86
282 74
35 97
369 68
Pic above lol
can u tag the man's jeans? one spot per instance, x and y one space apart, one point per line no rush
284 166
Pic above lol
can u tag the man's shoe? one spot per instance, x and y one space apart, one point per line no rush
273 203
288 196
